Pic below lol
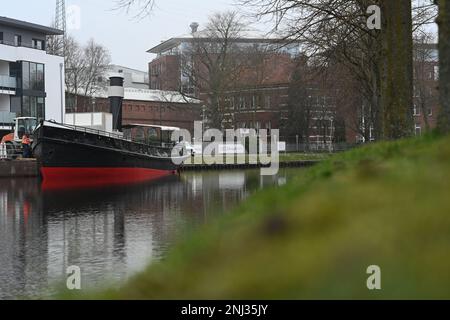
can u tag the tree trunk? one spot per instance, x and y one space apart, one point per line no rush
444 65
397 72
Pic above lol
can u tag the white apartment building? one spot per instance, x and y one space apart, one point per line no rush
31 81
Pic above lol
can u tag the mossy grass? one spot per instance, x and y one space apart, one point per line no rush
387 204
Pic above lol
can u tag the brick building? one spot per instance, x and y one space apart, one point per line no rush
426 94
146 106
258 97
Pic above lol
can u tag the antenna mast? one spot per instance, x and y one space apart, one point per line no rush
60 22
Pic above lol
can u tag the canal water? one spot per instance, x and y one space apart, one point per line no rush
110 232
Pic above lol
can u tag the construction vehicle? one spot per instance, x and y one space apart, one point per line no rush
13 141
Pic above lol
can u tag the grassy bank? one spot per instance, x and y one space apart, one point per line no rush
387 205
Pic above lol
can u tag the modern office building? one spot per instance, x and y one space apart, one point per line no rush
31 81
258 96
132 78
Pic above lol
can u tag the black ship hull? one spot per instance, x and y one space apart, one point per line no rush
73 156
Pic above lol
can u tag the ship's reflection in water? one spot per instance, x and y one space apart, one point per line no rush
109 232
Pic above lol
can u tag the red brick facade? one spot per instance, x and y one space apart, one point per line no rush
182 115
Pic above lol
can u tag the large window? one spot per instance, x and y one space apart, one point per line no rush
26 110
33 107
33 76
26 75
40 84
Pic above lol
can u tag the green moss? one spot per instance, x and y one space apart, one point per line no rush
387 205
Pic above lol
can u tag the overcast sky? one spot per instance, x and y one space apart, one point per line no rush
127 38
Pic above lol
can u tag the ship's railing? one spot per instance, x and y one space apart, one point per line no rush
114 136
96 131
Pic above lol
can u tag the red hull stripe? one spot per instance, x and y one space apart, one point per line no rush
58 178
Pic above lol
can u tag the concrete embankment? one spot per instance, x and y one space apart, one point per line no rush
30 168
283 164
26 168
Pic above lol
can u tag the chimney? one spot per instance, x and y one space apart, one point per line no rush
194 27
116 95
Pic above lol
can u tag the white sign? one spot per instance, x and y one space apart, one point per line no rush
281 146
231 149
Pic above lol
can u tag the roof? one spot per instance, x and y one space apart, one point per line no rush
152 95
248 36
163 128
30 26
118 67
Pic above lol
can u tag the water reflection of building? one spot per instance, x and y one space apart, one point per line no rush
113 231
23 250
110 232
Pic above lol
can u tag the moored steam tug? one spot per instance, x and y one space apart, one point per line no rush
77 156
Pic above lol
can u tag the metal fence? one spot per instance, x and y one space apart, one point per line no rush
293 144
3 151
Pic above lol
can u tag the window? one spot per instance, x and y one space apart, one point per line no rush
430 112
418 130
26 75
40 75
33 76
40 108
436 73
241 103
268 102
38 44
33 107
1 37
26 111
416 110
18 40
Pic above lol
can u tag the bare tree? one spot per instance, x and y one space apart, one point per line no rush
299 110
75 65
337 29
96 63
142 7
85 70
55 43
212 63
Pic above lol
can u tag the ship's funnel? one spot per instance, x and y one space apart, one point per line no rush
116 94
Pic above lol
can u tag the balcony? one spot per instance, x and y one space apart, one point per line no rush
21 44
8 85
6 120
